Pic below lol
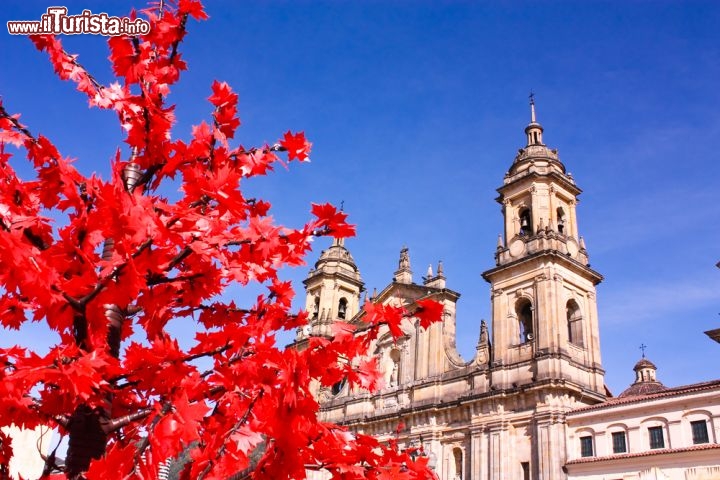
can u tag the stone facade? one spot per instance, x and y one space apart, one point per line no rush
512 411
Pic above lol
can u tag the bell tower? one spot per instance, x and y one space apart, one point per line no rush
332 289
544 311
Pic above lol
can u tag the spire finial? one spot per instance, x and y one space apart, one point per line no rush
403 273
532 106
643 347
534 130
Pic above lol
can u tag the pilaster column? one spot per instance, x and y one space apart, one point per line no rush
573 220
550 448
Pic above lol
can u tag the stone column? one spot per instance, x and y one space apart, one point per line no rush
573 220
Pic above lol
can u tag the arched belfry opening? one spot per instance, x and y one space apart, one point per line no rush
316 308
524 312
342 308
574 323
525 222
561 221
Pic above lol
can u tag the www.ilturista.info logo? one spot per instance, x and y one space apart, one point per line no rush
57 21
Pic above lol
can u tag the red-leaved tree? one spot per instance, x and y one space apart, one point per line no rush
125 259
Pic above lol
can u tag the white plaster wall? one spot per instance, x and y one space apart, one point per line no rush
27 446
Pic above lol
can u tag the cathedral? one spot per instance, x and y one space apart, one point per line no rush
532 402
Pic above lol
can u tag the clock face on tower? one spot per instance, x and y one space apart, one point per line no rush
517 247
306 330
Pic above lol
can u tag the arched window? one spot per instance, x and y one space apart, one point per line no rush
338 387
525 222
561 220
342 308
524 312
574 324
316 308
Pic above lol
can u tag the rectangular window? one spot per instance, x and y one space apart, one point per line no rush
700 432
656 437
525 470
619 443
586 446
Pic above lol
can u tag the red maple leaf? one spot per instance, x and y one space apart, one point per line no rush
194 8
428 311
333 221
296 145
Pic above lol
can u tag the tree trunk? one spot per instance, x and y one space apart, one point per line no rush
87 440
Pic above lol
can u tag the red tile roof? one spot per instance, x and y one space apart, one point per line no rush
670 392
642 388
661 451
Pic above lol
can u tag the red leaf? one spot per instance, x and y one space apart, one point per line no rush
194 8
428 312
333 221
222 94
296 145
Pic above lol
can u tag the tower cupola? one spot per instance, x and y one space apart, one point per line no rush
646 381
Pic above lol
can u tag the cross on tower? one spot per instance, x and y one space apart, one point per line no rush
342 205
643 347
532 97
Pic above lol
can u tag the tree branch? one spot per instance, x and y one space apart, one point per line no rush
167 406
113 275
117 423
159 279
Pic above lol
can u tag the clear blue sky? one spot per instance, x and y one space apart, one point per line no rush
416 110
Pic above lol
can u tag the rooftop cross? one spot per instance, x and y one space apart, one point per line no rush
532 106
643 347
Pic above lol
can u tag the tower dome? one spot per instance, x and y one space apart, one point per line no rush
645 380
336 259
